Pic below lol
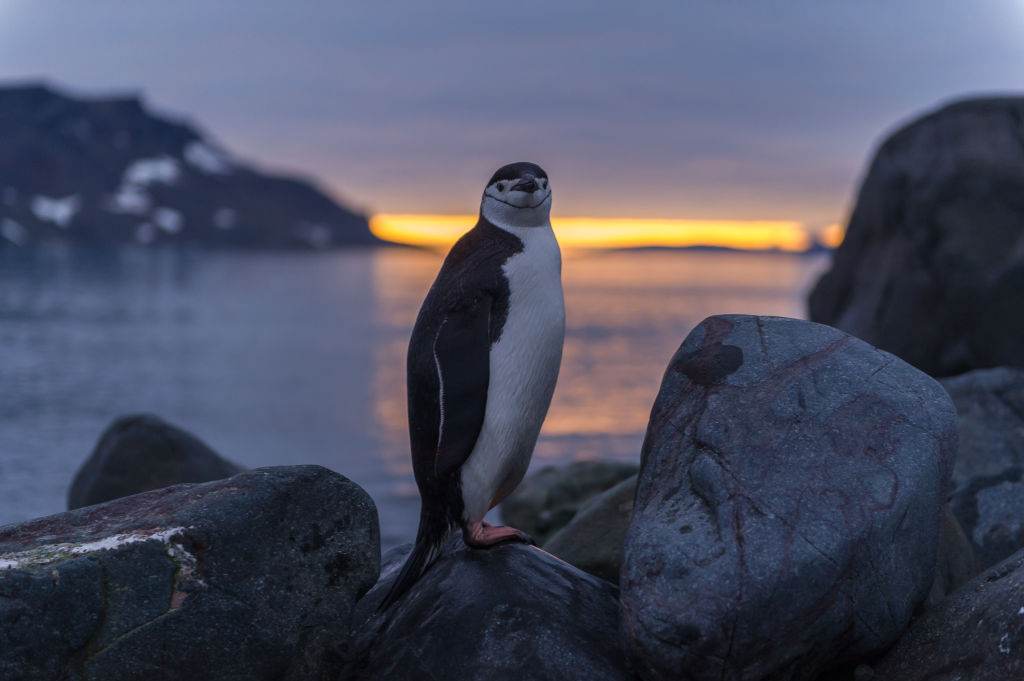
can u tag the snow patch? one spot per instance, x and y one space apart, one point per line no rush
225 218
152 170
207 159
13 232
58 211
168 220
1004 644
131 199
50 553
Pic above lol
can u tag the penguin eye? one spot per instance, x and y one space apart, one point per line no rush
501 186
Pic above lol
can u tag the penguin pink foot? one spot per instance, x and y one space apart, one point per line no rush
482 535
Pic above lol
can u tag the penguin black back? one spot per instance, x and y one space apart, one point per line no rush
469 297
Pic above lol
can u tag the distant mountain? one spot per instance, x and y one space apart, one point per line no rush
108 171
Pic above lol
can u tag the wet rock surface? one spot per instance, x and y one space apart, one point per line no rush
988 498
142 452
931 268
788 506
509 612
977 634
547 500
593 539
246 578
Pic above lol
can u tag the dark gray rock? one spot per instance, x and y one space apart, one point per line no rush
988 496
254 577
102 171
990 407
593 539
788 506
957 563
510 612
139 453
548 499
977 634
931 268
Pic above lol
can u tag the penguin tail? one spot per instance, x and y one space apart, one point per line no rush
429 539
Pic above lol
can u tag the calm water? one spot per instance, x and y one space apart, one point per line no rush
299 358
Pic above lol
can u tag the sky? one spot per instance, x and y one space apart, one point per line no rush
709 110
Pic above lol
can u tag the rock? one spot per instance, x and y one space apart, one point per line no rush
141 453
990 407
246 578
988 496
976 634
931 269
104 171
956 564
788 505
510 612
592 541
548 499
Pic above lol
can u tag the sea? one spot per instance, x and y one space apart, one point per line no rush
299 358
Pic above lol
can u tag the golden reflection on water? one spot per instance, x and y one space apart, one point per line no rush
626 314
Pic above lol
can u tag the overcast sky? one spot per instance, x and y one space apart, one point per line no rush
716 109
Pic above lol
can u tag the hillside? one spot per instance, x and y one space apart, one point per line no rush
108 171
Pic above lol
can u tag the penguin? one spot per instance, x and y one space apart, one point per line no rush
482 365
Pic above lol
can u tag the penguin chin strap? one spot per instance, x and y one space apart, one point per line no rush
511 217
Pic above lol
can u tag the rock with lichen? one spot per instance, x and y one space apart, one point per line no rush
253 577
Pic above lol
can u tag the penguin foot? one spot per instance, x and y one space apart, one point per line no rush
481 535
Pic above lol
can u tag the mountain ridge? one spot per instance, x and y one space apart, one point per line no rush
109 170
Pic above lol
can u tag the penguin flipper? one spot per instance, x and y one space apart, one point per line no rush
462 356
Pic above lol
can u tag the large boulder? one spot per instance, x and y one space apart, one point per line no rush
548 499
254 577
931 268
592 541
510 612
988 496
977 634
788 506
142 452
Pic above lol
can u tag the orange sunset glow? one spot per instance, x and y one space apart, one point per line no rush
439 231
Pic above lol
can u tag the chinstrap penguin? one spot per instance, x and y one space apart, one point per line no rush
482 365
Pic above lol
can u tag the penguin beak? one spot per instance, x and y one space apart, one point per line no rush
526 184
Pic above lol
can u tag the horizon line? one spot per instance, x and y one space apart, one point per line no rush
442 230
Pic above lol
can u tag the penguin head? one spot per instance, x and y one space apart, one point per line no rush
517 195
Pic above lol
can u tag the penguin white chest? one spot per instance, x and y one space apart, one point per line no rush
524 367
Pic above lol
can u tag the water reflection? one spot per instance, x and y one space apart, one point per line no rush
298 358
626 314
